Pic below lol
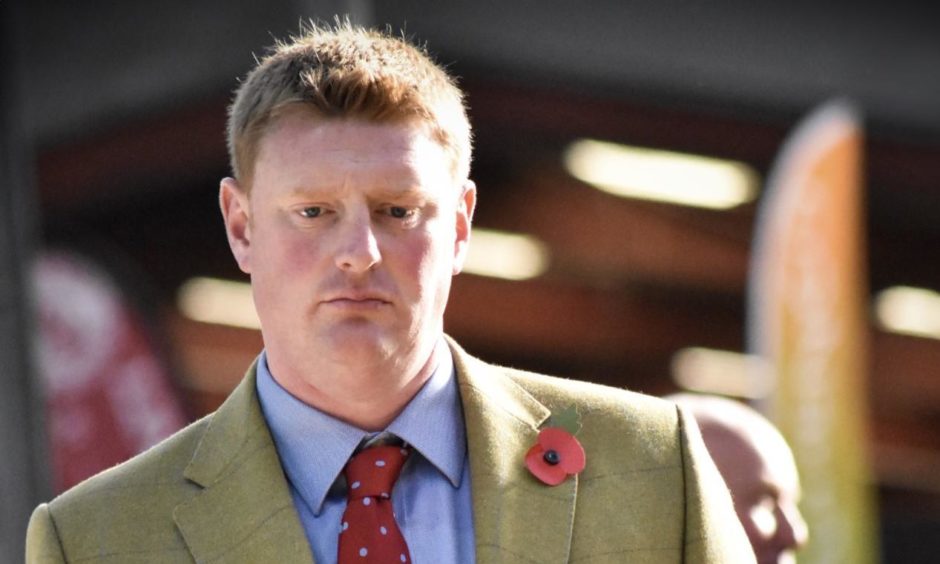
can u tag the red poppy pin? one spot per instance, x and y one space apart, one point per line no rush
557 454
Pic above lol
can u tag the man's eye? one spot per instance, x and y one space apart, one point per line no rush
399 212
311 212
764 516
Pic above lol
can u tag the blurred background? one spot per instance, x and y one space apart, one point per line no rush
113 248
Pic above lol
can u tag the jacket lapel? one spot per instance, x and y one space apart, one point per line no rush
515 515
244 512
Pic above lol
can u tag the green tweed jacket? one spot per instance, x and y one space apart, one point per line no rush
215 491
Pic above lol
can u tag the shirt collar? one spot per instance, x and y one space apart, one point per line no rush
314 446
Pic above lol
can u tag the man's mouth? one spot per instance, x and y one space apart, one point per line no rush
357 300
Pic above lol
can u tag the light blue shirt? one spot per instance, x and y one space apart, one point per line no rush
431 500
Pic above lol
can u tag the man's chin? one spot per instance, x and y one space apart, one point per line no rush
774 557
361 340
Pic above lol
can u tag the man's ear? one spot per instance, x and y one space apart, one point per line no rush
235 213
465 206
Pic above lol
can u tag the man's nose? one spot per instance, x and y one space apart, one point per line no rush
358 249
792 530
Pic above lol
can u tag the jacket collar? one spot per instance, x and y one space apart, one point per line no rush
245 507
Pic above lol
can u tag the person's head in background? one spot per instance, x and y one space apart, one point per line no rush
758 467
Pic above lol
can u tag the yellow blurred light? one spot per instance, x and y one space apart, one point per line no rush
722 372
910 311
664 176
224 302
511 256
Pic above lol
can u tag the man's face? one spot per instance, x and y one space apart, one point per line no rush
765 486
353 231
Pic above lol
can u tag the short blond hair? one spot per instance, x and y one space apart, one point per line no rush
344 71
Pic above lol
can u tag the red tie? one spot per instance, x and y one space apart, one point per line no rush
369 532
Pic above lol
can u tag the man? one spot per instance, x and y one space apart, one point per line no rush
758 467
350 208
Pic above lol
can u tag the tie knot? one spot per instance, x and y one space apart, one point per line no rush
374 471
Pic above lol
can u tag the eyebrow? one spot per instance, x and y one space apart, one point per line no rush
770 487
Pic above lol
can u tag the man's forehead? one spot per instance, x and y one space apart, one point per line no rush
351 139
311 155
756 456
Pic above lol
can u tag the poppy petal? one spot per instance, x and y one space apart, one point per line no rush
547 473
566 445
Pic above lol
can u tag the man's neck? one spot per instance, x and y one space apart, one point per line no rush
367 397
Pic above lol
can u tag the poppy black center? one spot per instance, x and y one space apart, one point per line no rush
551 457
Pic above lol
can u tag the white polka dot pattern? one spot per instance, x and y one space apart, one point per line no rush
369 532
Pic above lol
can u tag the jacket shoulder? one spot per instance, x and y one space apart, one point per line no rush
160 465
623 409
131 503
